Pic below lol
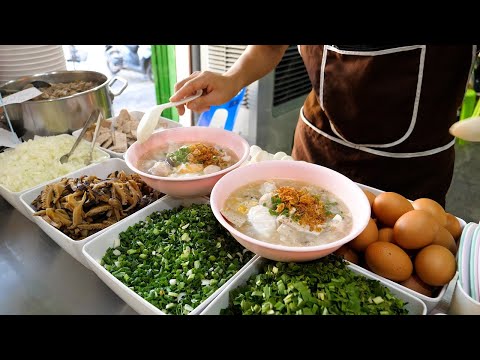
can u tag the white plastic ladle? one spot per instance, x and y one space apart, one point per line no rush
467 129
149 120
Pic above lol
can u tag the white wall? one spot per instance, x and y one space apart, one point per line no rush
182 58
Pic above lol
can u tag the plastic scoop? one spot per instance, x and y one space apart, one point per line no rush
149 121
467 129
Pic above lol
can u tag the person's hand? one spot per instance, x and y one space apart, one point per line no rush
217 89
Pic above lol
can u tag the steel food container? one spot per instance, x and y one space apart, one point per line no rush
62 115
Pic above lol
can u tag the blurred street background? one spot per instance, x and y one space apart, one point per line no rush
140 92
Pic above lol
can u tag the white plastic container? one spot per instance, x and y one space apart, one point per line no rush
415 306
95 250
73 247
13 198
431 302
163 123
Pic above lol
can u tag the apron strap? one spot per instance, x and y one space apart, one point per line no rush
374 151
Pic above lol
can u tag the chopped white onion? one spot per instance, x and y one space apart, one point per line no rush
37 161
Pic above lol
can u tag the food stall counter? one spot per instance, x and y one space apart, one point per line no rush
39 277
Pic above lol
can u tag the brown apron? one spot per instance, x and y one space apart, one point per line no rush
381 116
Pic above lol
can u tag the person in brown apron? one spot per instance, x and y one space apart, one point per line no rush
378 114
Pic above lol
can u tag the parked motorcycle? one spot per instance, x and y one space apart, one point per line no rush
131 57
75 54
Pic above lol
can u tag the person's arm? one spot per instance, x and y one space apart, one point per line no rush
254 63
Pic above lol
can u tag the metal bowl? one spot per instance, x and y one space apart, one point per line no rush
62 115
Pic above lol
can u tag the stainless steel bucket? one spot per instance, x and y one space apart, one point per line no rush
63 115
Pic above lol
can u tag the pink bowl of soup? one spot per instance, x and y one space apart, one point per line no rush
187 161
290 210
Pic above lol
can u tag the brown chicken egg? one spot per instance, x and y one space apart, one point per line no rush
386 234
366 237
370 196
415 229
434 208
444 238
435 265
389 206
411 252
388 260
348 254
453 226
416 284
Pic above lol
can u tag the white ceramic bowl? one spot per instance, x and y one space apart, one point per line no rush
338 184
96 249
17 61
73 247
32 69
24 51
187 186
414 306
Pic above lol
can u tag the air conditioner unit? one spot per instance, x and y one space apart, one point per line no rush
269 112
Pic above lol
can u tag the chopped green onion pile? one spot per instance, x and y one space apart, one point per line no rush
321 287
177 258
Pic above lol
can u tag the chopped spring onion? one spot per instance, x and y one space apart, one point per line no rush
153 253
322 287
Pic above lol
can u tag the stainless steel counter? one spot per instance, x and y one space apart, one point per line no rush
39 277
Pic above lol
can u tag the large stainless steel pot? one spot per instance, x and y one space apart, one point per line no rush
63 115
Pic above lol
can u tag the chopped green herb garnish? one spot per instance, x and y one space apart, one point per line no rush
276 200
174 266
179 156
321 287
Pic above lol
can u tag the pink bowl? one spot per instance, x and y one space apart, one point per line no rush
193 186
338 184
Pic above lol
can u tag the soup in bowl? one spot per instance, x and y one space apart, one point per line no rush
187 161
290 210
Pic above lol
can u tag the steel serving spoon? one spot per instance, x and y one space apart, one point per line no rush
149 120
89 121
89 159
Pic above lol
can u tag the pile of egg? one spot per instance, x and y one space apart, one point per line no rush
412 243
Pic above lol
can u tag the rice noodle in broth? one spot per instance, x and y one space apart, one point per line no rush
186 159
288 212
